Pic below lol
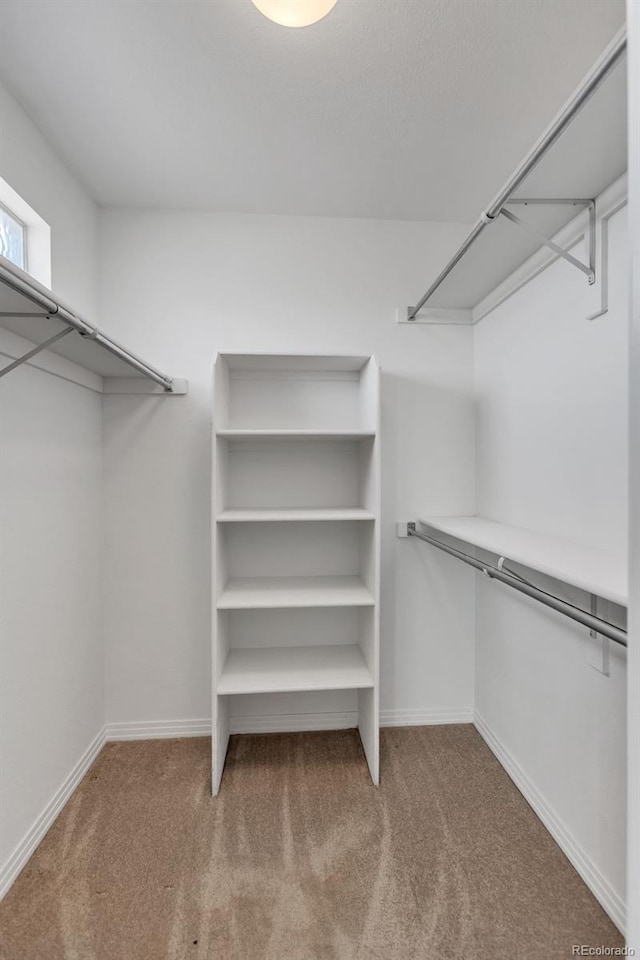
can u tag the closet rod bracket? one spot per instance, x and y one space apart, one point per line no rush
598 656
588 269
594 610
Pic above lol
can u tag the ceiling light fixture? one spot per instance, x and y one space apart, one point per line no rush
295 13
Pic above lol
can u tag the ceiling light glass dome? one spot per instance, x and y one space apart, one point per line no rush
295 13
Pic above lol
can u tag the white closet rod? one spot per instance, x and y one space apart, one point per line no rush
585 91
32 291
602 627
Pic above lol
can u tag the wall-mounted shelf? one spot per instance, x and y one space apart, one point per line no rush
593 571
30 311
582 152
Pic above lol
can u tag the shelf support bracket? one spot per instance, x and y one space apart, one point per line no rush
588 269
38 349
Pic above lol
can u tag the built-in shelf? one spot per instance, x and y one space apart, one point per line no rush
277 516
594 571
282 669
241 593
293 434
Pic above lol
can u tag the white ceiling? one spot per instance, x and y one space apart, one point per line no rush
415 109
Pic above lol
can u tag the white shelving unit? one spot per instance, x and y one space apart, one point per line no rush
593 571
296 534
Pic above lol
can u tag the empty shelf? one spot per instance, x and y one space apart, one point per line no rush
293 434
594 571
263 592
321 513
282 669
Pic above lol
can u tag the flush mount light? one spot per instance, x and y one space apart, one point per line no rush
295 13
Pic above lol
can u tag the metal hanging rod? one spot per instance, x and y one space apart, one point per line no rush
583 94
603 627
32 291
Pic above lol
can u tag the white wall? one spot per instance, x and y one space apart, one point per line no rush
552 414
178 287
37 173
51 654
633 684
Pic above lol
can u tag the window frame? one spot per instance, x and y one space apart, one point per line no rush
37 234
25 236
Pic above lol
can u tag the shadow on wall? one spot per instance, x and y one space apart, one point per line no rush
427 598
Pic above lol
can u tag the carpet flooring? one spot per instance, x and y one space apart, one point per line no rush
300 858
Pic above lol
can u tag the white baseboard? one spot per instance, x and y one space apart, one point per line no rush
272 723
158 729
602 890
425 718
17 860
283 723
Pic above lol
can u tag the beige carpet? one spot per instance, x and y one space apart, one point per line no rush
300 858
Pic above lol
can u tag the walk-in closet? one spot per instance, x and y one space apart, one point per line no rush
319 473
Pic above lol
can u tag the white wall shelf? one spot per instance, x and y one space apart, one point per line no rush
593 571
283 669
30 311
582 162
296 536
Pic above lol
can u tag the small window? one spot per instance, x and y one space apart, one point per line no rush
25 238
13 238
